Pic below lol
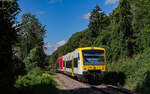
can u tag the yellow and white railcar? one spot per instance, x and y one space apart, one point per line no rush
87 63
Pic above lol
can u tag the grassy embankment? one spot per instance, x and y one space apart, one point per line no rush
36 81
136 72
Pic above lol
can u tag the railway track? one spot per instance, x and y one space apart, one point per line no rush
71 86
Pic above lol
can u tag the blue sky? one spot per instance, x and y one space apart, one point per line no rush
63 17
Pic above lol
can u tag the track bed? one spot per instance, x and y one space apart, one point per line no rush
67 85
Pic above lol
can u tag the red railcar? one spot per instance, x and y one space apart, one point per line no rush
60 64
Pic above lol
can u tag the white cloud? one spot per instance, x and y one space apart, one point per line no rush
86 16
55 1
51 47
111 1
61 42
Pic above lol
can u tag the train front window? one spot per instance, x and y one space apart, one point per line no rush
93 57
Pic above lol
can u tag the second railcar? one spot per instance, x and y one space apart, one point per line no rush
60 64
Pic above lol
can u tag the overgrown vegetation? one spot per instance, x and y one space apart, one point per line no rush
21 52
125 35
136 70
36 82
8 37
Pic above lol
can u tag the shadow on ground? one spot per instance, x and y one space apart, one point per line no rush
36 89
111 78
48 90
83 91
114 78
107 90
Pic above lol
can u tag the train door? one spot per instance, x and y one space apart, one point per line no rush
72 66
79 63
76 63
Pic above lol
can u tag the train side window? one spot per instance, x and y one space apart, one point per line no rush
78 56
63 63
75 62
67 64
70 64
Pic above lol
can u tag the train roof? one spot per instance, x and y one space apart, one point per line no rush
85 48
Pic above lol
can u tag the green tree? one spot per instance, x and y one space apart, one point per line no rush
96 21
8 36
36 58
141 18
31 34
141 14
122 31
30 45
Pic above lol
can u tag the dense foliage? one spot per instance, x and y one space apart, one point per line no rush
121 44
137 72
124 33
30 45
8 36
121 32
21 50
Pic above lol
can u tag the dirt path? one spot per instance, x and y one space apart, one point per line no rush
68 85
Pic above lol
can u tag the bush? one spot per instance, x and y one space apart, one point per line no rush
137 72
36 81
36 58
